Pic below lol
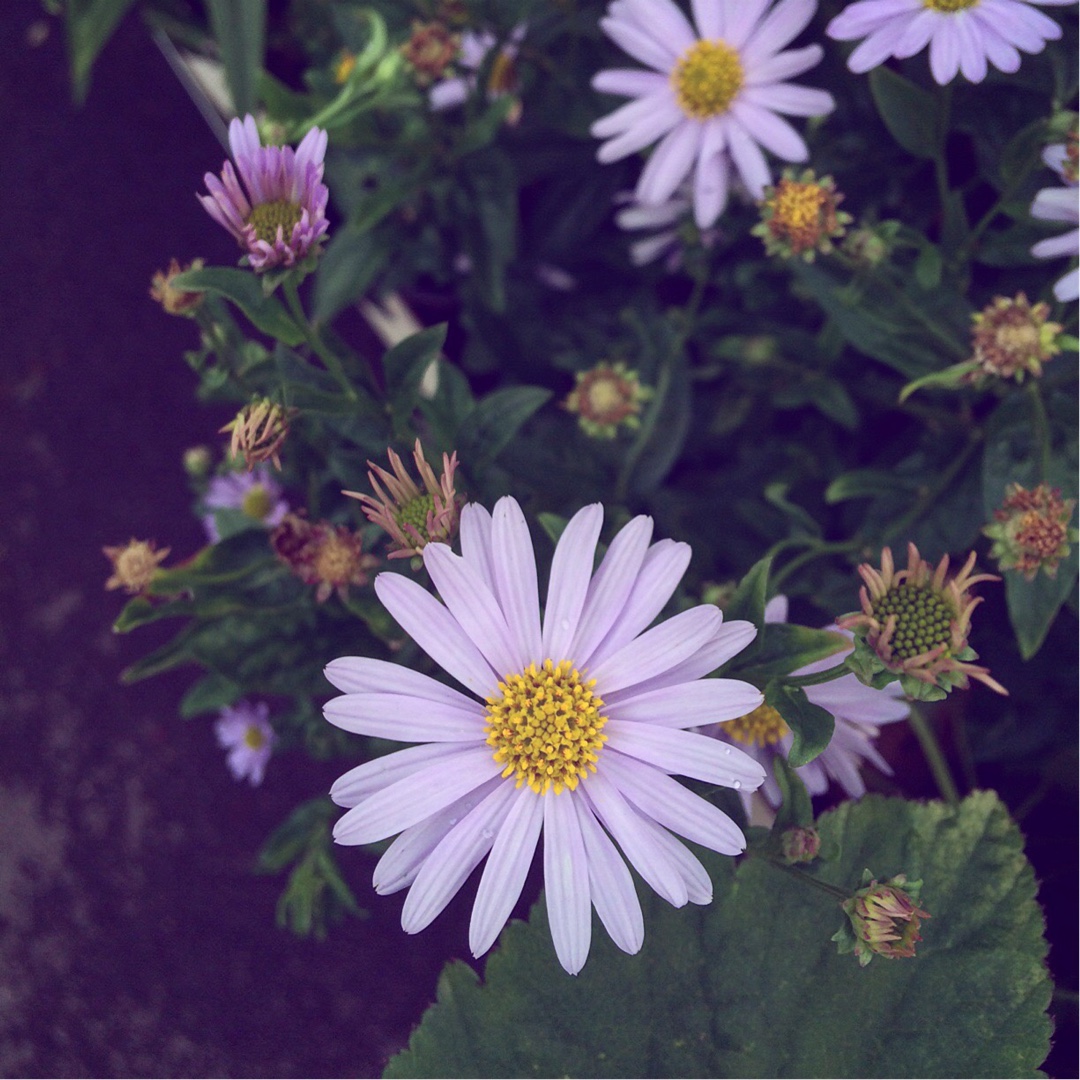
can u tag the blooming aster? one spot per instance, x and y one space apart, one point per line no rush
572 726
859 711
964 35
257 495
279 215
475 46
712 97
1060 204
244 730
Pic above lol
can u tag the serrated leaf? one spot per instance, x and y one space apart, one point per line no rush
811 725
910 113
706 994
242 288
239 28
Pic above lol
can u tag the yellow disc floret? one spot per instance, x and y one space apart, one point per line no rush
707 78
268 217
545 726
762 727
949 5
257 502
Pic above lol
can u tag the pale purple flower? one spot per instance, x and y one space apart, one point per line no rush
493 769
659 228
1060 204
255 494
859 712
964 36
244 730
475 46
712 97
279 215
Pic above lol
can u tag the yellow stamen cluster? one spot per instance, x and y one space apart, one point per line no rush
800 216
949 6
268 217
762 727
707 78
254 738
545 726
257 502
606 397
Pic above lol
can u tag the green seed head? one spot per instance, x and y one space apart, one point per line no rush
415 513
923 622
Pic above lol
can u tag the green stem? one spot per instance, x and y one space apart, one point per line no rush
821 886
830 548
660 391
1041 424
931 749
292 297
836 672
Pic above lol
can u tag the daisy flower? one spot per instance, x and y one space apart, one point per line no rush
964 35
859 711
257 495
1060 204
571 726
244 730
712 97
279 215
475 47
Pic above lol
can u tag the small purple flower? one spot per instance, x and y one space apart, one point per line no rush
281 216
244 730
475 47
256 494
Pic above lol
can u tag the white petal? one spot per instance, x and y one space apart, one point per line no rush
657 650
473 606
611 586
424 792
790 99
444 871
640 45
610 884
506 869
874 51
741 19
571 571
1055 247
675 807
1056 204
665 22
998 51
476 542
669 164
785 22
436 631
629 115
364 780
695 877
566 882
312 149
663 114
784 65
661 571
748 159
629 82
689 704
515 577
775 134
684 753
448 93
909 37
711 176
945 52
650 858
1068 287
405 718
354 674
862 18
708 17
776 610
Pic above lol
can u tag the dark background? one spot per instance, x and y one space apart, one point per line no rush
134 938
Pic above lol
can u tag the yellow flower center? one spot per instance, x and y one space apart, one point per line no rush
949 5
336 560
503 77
257 503
254 737
545 726
762 727
797 206
1022 340
268 217
606 396
707 78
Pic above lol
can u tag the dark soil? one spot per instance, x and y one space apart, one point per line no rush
134 938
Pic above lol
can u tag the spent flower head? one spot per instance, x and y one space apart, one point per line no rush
914 626
1012 338
244 730
799 216
1031 530
328 556
607 397
965 36
571 726
175 301
883 919
134 565
713 96
432 47
278 216
258 432
412 517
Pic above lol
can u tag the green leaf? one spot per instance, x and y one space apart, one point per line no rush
404 366
750 595
796 809
909 112
90 24
928 267
811 725
496 420
239 27
783 648
750 985
1034 605
868 483
348 266
242 288
210 693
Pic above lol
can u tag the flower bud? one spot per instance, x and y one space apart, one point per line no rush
883 919
799 845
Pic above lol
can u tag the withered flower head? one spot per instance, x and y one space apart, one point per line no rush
1031 530
431 49
258 432
607 397
327 556
1012 338
914 626
412 517
800 216
175 301
134 565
